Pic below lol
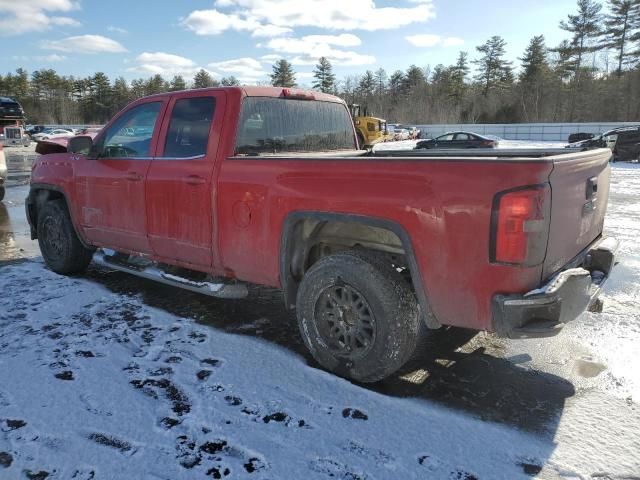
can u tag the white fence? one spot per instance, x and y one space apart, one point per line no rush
549 132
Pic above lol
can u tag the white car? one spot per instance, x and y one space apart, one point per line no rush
55 133
401 134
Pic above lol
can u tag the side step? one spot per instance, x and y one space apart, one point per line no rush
218 290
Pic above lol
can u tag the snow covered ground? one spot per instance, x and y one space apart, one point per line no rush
104 376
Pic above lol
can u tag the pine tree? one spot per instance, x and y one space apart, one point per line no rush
325 80
621 27
121 94
585 26
493 69
396 81
380 78
534 61
203 79
414 77
177 83
367 84
457 77
230 81
155 84
283 74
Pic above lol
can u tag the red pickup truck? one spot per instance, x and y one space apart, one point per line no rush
209 189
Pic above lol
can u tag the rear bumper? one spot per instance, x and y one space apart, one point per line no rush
544 311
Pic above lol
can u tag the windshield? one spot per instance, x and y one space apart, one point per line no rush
276 125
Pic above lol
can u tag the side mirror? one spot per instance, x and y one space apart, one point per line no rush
81 145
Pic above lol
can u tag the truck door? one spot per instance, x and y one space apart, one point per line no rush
180 191
110 183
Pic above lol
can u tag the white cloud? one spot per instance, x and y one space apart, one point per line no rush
214 22
65 21
308 49
165 64
270 58
431 40
329 14
84 44
113 28
247 70
54 57
23 16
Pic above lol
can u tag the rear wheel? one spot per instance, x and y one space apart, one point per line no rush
60 246
357 316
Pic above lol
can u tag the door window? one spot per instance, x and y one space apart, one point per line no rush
462 136
130 135
188 133
445 138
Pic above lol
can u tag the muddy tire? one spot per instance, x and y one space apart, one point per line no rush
357 315
2 192
60 246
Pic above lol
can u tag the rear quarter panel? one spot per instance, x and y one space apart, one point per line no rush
443 205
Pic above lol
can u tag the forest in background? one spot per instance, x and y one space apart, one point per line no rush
592 76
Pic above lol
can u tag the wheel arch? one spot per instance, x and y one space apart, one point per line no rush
40 193
300 234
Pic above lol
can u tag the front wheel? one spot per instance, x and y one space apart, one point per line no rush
357 316
2 192
60 246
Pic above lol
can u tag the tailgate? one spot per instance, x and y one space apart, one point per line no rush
579 195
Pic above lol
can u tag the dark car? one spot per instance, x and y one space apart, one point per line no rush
580 136
35 129
458 140
9 108
624 142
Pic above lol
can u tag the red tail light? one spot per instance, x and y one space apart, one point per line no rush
520 226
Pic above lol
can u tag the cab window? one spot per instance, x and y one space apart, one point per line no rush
130 135
188 133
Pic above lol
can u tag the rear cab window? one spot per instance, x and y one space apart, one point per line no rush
274 125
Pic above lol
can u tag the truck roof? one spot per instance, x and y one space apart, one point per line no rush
263 91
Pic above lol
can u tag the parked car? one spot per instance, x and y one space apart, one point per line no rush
33 129
458 140
3 171
9 108
624 142
401 134
413 131
264 185
53 133
578 137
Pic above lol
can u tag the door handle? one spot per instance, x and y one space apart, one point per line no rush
134 176
193 180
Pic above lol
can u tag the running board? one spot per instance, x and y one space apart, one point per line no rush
218 290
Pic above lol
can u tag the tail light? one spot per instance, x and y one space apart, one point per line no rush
488 143
520 225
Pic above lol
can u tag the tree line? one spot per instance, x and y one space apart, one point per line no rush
592 75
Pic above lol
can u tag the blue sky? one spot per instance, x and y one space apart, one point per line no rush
243 37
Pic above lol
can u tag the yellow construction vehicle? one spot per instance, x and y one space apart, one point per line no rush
370 130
